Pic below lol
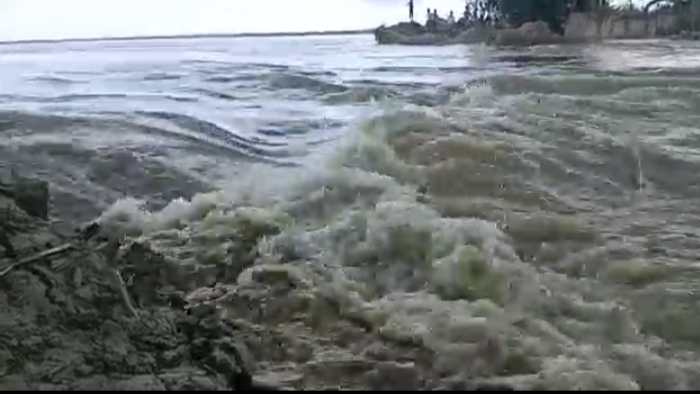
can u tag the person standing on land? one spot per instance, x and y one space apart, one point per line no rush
410 10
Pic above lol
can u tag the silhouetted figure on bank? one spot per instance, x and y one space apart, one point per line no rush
451 18
429 22
438 23
410 10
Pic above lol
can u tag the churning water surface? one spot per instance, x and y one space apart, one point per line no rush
541 201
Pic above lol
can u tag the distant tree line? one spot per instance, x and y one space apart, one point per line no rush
517 12
555 12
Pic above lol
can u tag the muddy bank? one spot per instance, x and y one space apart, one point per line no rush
529 34
579 28
416 34
595 26
77 315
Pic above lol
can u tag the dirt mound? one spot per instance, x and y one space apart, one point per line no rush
74 316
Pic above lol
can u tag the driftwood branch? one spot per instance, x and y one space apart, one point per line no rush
86 234
37 257
124 294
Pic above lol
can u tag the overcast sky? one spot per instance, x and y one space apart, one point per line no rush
54 19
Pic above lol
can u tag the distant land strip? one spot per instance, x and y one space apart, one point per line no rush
214 35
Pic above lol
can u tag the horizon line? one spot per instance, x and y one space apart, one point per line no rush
196 35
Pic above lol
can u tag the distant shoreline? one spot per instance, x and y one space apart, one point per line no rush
214 35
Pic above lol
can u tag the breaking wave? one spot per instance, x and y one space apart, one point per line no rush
533 228
431 233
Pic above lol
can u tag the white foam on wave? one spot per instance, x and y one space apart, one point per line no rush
455 285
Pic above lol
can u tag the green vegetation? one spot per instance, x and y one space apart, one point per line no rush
517 12
556 12
552 12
